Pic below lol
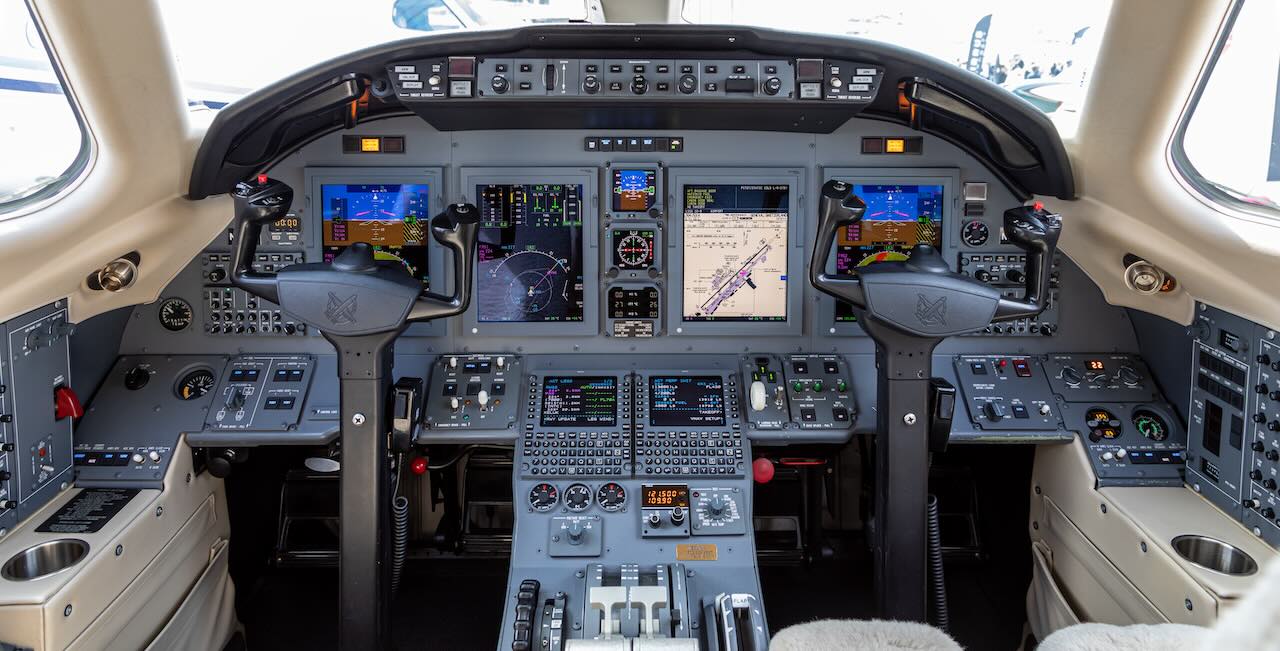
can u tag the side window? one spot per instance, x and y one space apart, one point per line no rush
1229 146
41 136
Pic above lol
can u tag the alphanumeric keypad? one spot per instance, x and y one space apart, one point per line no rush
689 453
587 453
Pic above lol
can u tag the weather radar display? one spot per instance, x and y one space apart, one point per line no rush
391 217
735 252
530 253
898 217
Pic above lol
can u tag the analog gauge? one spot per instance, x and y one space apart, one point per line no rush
577 497
175 314
1102 424
195 384
974 233
543 497
1150 424
611 496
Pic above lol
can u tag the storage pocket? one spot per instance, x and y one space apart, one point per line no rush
1047 608
206 617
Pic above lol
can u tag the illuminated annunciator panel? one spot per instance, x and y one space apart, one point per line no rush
533 274
736 237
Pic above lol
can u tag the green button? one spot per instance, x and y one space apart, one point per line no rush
817 385
841 386
798 386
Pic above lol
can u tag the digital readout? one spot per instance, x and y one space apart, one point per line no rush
1095 365
664 495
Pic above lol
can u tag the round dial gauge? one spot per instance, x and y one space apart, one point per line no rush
1150 424
975 233
611 496
577 497
175 314
634 250
543 497
195 384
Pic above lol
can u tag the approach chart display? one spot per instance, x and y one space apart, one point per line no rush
735 252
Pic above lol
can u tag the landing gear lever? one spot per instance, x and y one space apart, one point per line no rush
360 305
908 308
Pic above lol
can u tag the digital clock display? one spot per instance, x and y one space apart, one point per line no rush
286 224
1095 365
664 495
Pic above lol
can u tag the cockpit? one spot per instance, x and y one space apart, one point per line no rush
639 325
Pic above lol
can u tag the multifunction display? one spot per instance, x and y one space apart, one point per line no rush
656 496
575 401
898 217
686 401
530 253
735 252
392 217
634 189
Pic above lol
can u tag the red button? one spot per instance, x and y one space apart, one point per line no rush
762 470
418 465
262 179
66 403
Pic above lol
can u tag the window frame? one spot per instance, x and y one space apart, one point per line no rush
80 163
1202 187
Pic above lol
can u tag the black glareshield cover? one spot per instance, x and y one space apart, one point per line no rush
923 296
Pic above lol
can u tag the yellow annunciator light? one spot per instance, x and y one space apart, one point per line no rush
894 145
370 144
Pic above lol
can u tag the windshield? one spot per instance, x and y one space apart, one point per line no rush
1041 51
232 47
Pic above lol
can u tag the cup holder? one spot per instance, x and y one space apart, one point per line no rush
1213 554
44 559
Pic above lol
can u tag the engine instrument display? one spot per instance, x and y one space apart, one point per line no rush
634 189
686 401
735 252
633 248
576 401
633 303
898 217
392 217
664 495
530 253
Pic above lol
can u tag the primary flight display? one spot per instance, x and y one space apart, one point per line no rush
735 252
392 217
530 253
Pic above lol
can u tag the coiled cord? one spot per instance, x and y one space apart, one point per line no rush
937 585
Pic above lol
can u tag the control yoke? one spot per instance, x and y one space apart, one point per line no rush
355 294
923 296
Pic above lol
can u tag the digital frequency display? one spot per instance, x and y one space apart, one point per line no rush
530 253
735 252
679 401
579 401
634 190
392 217
897 218
664 495
633 248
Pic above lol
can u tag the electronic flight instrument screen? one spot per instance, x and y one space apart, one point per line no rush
575 401
898 217
634 189
530 253
392 217
686 401
735 252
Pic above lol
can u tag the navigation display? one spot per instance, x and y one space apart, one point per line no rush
735 252
898 217
634 190
392 217
576 401
633 248
530 253
684 401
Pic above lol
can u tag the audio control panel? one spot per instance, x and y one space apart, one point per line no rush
1008 272
474 391
228 310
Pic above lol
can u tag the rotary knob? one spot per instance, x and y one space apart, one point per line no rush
639 85
1129 375
1016 275
1071 375
1255 475
687 84
717 506
591 85
499 84
677 516
654 519
771 86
